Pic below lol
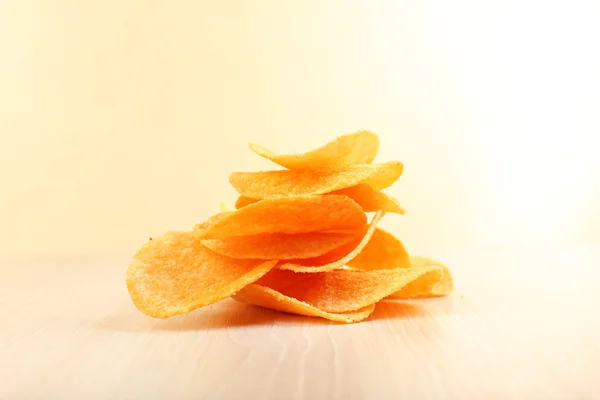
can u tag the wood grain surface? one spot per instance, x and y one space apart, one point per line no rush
522 324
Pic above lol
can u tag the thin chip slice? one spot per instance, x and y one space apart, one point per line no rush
268 298
337 258
288 215
384 251
304 182
175 274
279 246
427 286
244 201
372 200
354 148
345 289
367 197
217 218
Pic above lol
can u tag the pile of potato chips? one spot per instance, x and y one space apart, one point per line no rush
299 241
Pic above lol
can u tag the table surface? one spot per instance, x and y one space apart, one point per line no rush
522 324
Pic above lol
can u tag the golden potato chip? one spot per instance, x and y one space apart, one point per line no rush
304 182
337 258
174 274
268 298
355 148
367 197
212 221
427 286
344 290
243 201
383 251
372 200
279 246
288 215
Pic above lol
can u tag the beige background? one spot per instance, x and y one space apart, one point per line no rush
121 120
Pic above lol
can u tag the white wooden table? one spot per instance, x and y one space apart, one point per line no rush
522 324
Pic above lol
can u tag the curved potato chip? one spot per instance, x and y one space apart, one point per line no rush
354 148
244 201
212 221
279 246
304 182
268 298
366 197
337 258
344 290
426 286
372 200
174 274
288 215
383 251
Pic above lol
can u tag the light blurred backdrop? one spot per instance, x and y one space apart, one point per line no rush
122 120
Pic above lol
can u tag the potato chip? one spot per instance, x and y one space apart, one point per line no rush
383 251
217 218
268 298
175 274
345 289
355 148
244 201
304 182
426 286
288 215
336 259
372 200
367 197
279 246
